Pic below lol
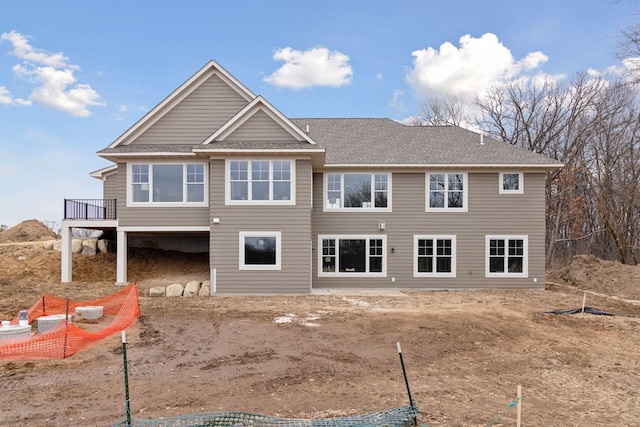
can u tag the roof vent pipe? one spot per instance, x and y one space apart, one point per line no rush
481 139
307 128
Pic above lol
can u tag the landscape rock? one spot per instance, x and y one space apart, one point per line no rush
191 289
90 246
106 246
174 290
157 291
76 246
49 244
205 289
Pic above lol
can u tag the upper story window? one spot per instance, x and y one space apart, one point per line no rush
167 184
506 256
260 181
447 191
511 183
358 191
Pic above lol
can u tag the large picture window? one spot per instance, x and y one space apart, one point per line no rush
167 183
260 181
507 256
357 191
260 250
434 256
352 256
447 191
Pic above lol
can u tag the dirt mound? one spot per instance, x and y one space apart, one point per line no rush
594 274
27 231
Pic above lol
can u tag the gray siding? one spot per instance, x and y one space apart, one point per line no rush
260 127
488 213
110 187
153 216
197 116
294 222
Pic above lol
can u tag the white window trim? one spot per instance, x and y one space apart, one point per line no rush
241 261
151 203
227 182
465 193
417 237
327 208
366 237
525 258
520 190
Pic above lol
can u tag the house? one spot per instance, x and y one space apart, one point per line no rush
290 205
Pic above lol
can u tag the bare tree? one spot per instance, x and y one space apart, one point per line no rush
450 110
612 170
629 51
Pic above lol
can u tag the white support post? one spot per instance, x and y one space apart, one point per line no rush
66 265
212 282
121 258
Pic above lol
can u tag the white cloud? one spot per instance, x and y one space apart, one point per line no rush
54 80
631 68
396 100
314 67
24 51
5 96
471 69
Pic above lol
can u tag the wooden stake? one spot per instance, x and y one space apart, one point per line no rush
519 407
584 300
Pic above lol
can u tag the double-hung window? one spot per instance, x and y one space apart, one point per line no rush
358 191
169 184
511 183
351 256
260 181
260 250
507 256
434 256
447 191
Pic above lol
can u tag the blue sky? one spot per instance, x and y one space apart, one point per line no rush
74 75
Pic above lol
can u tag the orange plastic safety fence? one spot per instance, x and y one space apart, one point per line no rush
67 339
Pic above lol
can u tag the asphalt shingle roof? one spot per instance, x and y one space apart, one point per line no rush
377 142
384 141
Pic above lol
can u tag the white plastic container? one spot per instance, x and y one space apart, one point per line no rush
15 331
48 322
89 312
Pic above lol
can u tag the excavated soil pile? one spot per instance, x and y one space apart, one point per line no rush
27 231
593 274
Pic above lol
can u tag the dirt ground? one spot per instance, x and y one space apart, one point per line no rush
332 353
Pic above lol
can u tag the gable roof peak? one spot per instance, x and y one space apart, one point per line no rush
186 88
259 103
